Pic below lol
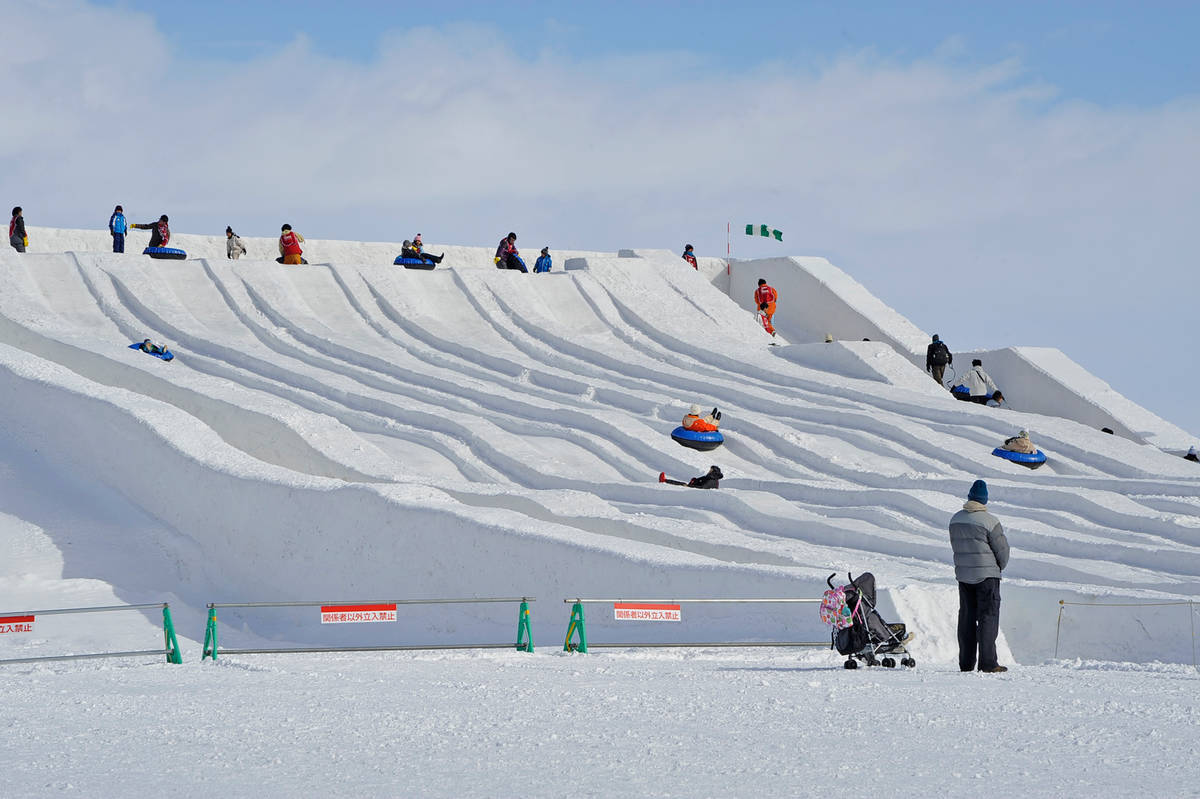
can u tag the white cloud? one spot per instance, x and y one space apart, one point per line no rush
974 199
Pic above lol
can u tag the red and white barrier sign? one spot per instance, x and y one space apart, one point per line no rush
644 611
355 614
16 624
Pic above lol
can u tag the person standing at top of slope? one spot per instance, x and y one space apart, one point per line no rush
160 231
16 231
507 255
419 248
690 257
765 295
980 554
117 226
289 246
544 263
234 249
937 356
979 383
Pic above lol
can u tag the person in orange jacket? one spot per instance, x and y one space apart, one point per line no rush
289 246
708 423
766 296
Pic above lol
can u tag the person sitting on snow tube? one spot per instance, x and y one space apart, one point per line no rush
152 348
1020 443
708 423
710 480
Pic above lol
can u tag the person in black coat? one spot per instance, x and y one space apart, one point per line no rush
937 356
710 480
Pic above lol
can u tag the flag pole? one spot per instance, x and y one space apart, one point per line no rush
728 250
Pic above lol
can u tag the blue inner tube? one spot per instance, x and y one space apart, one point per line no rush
694 440
165 252
1024 458
413 263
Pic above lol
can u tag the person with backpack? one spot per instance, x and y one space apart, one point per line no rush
937 356
979 384
543 263
690 256
117 227
289 246
507 255
234 249
16 231
160 231
980 555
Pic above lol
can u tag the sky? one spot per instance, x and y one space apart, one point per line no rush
1012 174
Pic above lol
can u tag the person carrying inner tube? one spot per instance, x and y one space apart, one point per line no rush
289 246
160 231
708 423
1020 443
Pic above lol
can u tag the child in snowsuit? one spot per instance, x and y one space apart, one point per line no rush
234 249
764 316
543 263
419 249
690 257
289 246
160 231
117 226
701 424
16 231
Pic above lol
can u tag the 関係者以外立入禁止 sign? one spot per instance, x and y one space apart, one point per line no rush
16 624
354 614
646 611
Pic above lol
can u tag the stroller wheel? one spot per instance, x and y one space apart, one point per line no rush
851 664
888 663
908 663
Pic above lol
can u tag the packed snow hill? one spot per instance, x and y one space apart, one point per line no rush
351 429
203 430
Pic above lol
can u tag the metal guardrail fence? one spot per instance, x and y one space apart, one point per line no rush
524 642
1190 604
170 643
576 626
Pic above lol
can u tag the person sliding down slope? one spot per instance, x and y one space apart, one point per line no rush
711 479
419 248
1020 443
701 424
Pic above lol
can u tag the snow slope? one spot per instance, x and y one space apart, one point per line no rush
350 430
374 431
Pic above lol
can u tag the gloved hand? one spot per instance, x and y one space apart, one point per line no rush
25 241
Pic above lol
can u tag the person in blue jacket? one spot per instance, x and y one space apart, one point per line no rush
117 227
543 263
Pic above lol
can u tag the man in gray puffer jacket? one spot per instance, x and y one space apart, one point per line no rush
980 554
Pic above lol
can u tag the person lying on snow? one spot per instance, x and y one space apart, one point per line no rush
152 348
1020 443
708 423
710 480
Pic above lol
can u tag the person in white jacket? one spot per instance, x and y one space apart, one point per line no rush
979 382
234 248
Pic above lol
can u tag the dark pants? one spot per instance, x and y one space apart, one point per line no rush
978 623
118 242
17 243
938 372
514 262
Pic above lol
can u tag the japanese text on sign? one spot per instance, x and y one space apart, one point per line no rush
16 624
643 611
354 614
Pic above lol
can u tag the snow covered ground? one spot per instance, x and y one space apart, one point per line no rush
350 430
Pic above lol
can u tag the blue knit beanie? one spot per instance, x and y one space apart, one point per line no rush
978 492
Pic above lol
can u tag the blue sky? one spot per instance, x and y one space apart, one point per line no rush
1004 174
1103 51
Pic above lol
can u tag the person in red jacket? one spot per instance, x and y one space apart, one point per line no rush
690 256
289 246
765 295
160 232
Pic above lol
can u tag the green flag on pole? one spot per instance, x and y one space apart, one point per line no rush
765 230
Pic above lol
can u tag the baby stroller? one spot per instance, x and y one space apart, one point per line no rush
863 634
